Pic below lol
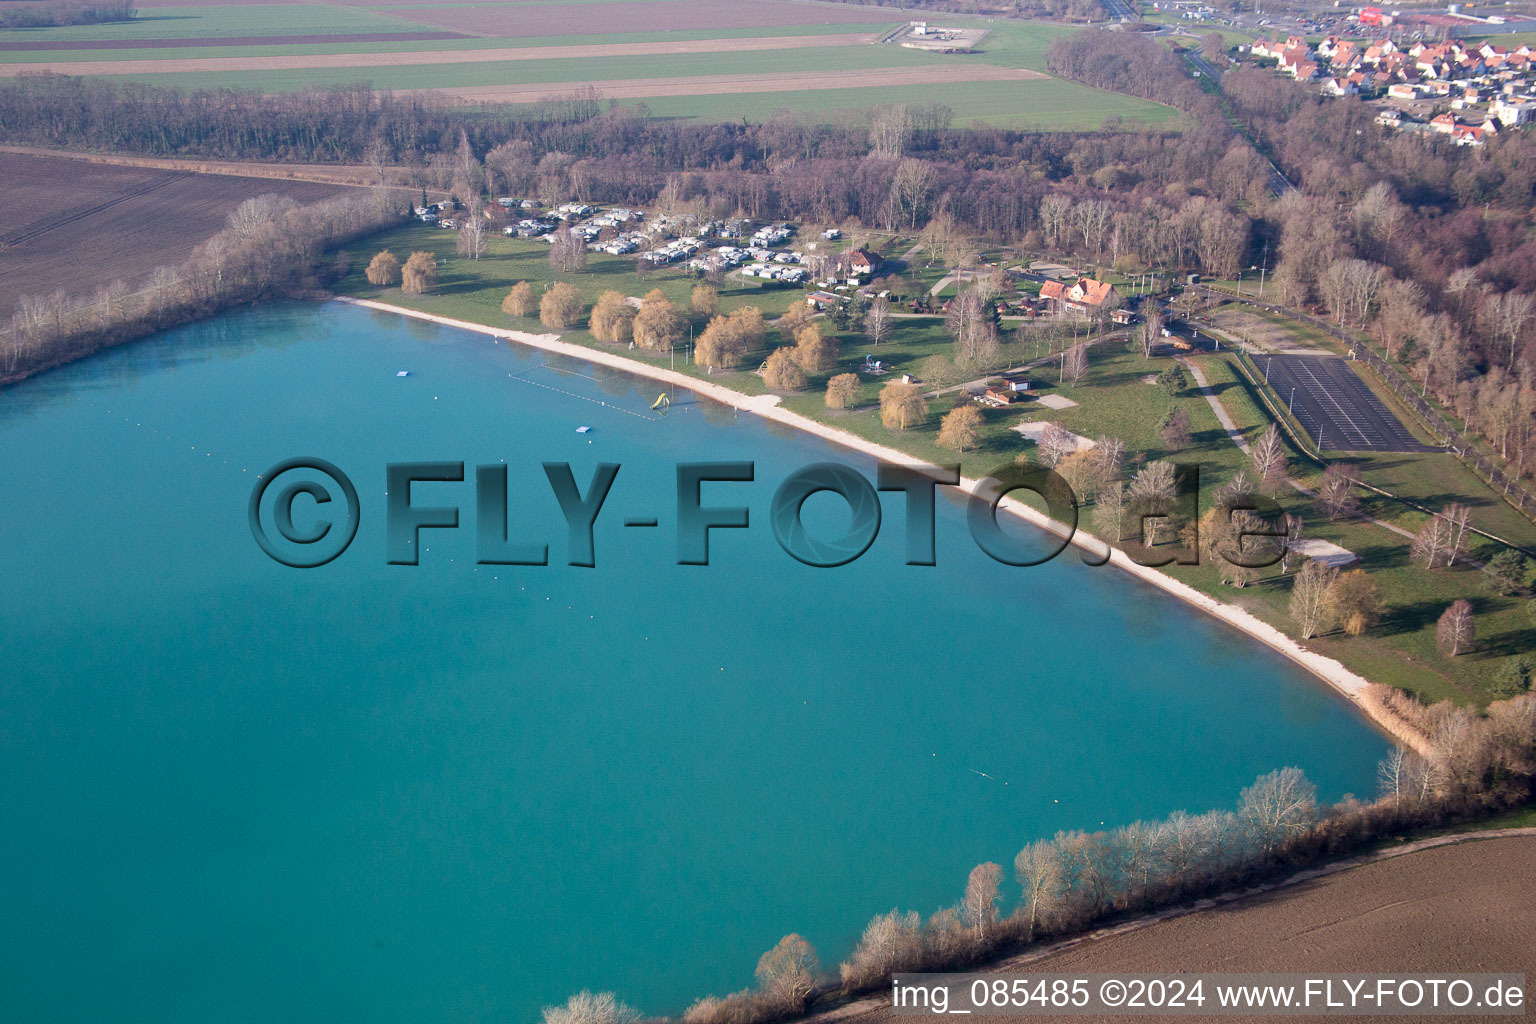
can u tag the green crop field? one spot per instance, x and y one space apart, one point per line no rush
320 47
1044 105
574 70
224 20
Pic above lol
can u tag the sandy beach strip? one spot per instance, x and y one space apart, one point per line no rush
1329 670
408 58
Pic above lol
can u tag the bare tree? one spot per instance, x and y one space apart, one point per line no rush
1074 364
1038 871
975 333
567 251
982 893
1149 334
471 239
1508 316
787 973
591 1008
878 321
1459 516
1309 596
1434 542
1055 444
890 128
1278 806
1055 213
911 187
1108 454
891 942
1111 509
1151 492
1336 497
1456 629
1268 455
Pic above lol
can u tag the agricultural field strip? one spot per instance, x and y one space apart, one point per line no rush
215 43
432 57
55 221
717 85
89 223
1048 105
391 42
230 20
571 71
549 19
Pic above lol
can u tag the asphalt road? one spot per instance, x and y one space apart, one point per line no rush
1334 405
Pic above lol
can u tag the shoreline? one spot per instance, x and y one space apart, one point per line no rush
1348 684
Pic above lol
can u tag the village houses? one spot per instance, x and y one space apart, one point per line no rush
1489 88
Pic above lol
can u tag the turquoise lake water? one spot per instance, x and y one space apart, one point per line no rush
234 791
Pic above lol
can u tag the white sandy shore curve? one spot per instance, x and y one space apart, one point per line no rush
1329 670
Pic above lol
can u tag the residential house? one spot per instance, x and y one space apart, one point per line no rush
1512 112
1085 295
863 262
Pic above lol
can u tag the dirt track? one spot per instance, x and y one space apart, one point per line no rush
719 85
415 57
1464 907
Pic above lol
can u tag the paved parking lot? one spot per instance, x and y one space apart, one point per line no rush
1335 406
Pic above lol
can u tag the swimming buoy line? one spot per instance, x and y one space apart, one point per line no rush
585 398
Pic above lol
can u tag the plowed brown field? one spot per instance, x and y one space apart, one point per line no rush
82 225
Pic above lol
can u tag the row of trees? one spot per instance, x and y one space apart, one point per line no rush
272 245
1462 764
49 13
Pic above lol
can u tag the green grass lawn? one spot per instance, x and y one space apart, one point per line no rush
1112 400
